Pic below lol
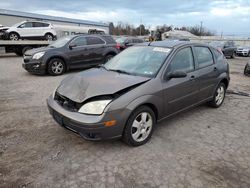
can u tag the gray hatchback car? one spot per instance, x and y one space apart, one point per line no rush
139 87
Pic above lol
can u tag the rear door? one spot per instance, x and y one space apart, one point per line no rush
207 71
40 28
95 49
181 93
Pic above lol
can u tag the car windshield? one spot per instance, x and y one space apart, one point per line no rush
60 42
17 24
121 40
139 60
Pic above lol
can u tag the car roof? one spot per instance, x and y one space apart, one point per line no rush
171 43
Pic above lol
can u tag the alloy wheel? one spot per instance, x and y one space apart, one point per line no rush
57 67
142 126
220 95
13 36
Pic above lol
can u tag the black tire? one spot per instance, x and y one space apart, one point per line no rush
128 130
247 69
233 55
56 66
14 36
18 53
48 37
108 57
215 103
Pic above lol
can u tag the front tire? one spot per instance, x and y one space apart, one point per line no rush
14 36
219 96
56 67
139 127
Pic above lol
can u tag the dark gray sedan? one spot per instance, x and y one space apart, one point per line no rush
139 87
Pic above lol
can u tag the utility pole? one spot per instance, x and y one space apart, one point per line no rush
201 28
140 26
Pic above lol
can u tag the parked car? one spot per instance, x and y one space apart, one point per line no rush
31 30
243 51
138 88
70 52
125 42
228 48
3 29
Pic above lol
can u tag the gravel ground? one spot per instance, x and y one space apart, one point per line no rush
203 147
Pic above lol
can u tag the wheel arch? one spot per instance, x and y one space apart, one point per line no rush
59 57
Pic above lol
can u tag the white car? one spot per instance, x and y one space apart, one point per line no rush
243 51
31 30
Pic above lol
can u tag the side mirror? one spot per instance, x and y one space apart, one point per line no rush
176 74
72 45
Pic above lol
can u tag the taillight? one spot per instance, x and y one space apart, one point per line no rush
118 46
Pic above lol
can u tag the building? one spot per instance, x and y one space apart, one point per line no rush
10 17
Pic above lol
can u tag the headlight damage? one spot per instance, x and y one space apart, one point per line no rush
94 107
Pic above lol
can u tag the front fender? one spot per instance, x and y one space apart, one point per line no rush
156 101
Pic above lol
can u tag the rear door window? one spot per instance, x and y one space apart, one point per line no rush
94 40
204 56
183 60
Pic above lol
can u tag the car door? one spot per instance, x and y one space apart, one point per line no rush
95 49
180 93
207 71
25 29
39 28
77 52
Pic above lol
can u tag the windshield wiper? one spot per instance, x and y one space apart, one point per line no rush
119 71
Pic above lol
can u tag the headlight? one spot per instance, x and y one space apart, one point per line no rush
38 55
94 107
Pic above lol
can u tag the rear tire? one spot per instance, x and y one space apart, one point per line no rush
108 57
56 66
49 37
219 96
139 127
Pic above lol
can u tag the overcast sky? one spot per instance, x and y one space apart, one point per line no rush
232 17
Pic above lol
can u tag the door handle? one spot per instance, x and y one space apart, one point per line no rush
215 68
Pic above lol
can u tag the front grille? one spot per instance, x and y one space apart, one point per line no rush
66 103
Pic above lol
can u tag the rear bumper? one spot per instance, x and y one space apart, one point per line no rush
89 127
34 66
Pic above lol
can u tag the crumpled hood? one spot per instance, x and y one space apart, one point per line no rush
96 82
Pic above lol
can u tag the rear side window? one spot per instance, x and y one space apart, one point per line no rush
39 24
80 41
218 55
204 56
109 39
94 40
183 60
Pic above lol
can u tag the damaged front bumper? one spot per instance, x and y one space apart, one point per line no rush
90 127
